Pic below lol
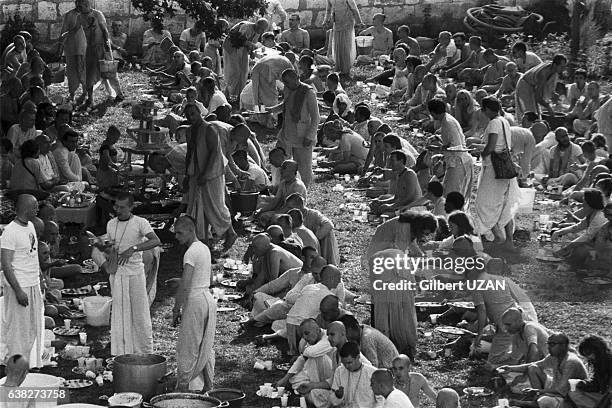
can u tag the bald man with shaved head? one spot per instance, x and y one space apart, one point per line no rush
288 185
22 321
382 384
336 333
307 304
447 398
528 338
269 262
564 365
409 382
195 310
268 309
330 310
313 366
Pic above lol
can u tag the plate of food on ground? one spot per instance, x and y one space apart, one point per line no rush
85 290
62 331
450 330
477 392
283 366
462 305
224 309
72 315
229 283
75 384
230 297
597 280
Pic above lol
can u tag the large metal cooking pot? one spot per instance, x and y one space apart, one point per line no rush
141 373
184 400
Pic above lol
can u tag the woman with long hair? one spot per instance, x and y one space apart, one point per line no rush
590 394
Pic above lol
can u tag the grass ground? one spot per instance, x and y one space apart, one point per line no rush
563 303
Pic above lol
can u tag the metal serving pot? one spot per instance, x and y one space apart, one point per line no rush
141 373
184 400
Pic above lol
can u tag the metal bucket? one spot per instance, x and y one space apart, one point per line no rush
141 373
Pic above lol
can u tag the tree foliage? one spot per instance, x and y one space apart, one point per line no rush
204 11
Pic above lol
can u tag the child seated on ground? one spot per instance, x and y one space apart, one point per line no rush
332 83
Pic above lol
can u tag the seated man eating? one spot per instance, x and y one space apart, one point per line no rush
403 189
350 154
314 364
268 207
269 262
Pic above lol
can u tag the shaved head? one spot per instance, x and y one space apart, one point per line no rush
186 223
447 398
383 377
336 334
261 244
330 308
275 232
401 367
309 323
27 207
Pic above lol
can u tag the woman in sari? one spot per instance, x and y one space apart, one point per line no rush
237 47
394 312
466 110
537 85
496 215
342 15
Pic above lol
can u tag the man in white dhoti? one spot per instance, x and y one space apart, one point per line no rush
22 321
351 385
131 330
313 365
196 310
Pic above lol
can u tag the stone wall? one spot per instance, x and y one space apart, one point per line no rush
426 17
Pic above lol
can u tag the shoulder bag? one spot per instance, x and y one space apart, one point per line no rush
503 165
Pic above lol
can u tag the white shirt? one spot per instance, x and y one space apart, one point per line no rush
501 127
193 42
46 169
397 399
307 305
126 234
17 136
218 99
198 256
24 244
357 388
258 175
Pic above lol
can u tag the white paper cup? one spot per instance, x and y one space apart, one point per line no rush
281 391
219 277
572 384
268 365
284 400
76 301
503 403
67 324
83 338
259 366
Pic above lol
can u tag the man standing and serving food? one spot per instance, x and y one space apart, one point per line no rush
131 330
